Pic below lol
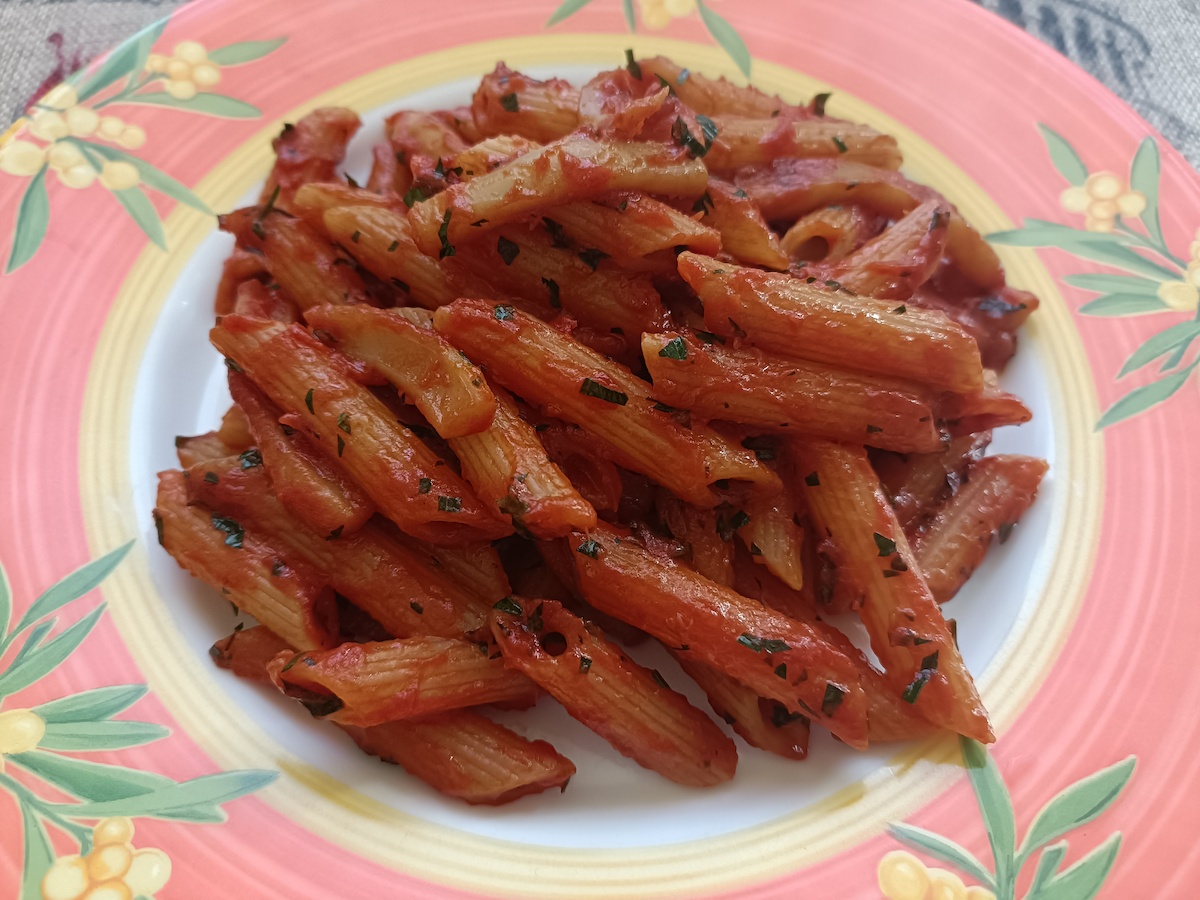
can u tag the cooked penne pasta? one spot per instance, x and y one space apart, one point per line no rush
787 396
354 430
768 528
310 150
508 102
624 703
290 598
918 483
792 317
908 634
507 465
781 658
744 233
994 495
553 371
241 266
248 652
709 547
369 684
711 96
901 259
743 141
990 408
829 234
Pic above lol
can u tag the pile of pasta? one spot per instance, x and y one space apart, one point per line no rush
661 358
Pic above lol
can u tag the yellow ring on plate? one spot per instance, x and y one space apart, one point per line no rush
444 855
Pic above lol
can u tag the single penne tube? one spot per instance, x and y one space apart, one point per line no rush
781 658
448 390
305 263
754 580
985 410
388 177
552 370
508 466
248 652
290 598
789 188
829 234
817 321
466 755
233 437
775 394
744 141
313 200
491 153
993 318
766 525
547 177
508 102
412 133
908 634
239 267
373 683
353 429
901 259
381 241
258 301
711 96
623 702
765 724
400 585
310 150
743 232
708 548
314 490
527 263
918 483
477 567
993 497
631 227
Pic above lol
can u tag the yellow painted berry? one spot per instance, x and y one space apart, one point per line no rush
945 885
1193 273
20 730
1104 186
181 90
49 126
132 137
109 862
63 156
22 158
1179 295
61 96
178 70
117 830
77 177
1102 209
67 879
110 890
81 121
1075 199
119 175
1131 203
1103 225
149 871
191 52
157 63
975 892
110 128
206 75
902 876
679 8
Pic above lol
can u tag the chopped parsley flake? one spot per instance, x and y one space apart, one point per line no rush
503 313
509 605
507 249
443 236
840 144
832 700
424 486
763 645
674 349
509 103
589 548
414 195
885 545
594 389
251 458
449 504
632 65
233 531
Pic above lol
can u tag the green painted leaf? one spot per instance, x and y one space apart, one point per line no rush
109 734
994 805
1108 248
142 211
1143 176
39 854
1078 804
152 177
45 659
726 36
1048 864
33 640
91 706
33 218
942 849
569 8
205 104
1141 399
1123 305
1064 157
74 586
169 802
244 52
5 602
92 781
630 16
1176 337
127 59
1083 880
1174 358
1114 284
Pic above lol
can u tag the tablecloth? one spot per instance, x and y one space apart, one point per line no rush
1146 51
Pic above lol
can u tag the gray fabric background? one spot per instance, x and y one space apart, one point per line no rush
1146 51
